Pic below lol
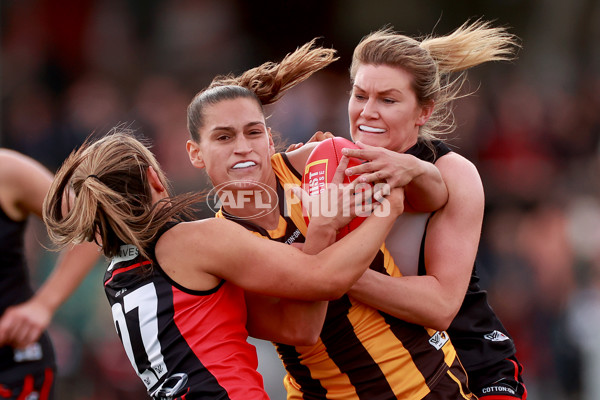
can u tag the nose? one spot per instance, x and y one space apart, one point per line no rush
369 109
242 145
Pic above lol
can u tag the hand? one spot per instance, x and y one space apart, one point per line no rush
397 169
319 136
389 200
23 324
338 203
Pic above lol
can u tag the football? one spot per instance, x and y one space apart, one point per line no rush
320 169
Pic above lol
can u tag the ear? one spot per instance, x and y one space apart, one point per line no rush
425 113
154 181
195 154
271 143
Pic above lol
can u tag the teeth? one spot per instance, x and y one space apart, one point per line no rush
370 129
245 164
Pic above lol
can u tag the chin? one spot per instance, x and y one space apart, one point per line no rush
371 139
245 183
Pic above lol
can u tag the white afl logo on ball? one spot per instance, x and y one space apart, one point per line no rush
236 195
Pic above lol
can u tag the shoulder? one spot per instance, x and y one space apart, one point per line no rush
23 184
198 236
298 157
455 163
190 252
14 165
462 179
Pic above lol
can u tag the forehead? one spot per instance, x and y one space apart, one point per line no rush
382 78
232 113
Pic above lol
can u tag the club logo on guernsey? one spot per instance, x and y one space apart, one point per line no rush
237 195
496 336
439 339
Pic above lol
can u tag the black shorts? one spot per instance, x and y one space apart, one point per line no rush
40 384
501 381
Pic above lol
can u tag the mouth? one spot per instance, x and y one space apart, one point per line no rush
244 164
370 129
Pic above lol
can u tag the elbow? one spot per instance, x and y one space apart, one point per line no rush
443 319
440 324
307 335
334 288
306 339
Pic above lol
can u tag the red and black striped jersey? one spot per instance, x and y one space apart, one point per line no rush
167 329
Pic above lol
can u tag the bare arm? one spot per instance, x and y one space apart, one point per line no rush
281 320
268 267
319 136
23 324
25 182
289 321
450 249
423 185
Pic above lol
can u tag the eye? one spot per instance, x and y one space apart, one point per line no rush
222 138
387 100
359 97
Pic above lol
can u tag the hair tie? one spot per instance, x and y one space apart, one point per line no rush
93 176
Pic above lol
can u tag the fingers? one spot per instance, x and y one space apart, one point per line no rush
3 336
308 202
363 199
358 153
293 147
381 191
387 197
319 136
340 171
369 172
10 333
26 336
301 194
361 169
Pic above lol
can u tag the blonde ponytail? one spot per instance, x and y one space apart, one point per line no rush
438 64
470 45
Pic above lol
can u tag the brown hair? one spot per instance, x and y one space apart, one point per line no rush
265 83
105 187
433 62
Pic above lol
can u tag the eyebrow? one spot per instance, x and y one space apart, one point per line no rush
383 92
231 129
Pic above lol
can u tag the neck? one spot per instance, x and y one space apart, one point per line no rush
407 145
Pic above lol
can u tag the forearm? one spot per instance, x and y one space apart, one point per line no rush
72 267
318 238
420 300
293 322
427 191
354 252
22 324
